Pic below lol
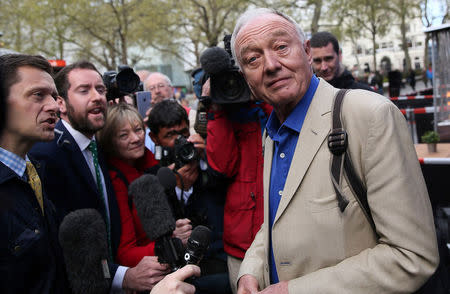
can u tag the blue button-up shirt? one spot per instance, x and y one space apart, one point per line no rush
285 139
16 163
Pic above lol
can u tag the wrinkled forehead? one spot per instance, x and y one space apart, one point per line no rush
261 28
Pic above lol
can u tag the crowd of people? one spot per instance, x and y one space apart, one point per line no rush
259 179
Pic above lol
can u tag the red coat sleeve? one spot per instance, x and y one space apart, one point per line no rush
134 245
221 146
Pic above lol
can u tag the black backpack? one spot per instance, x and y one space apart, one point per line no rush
337 143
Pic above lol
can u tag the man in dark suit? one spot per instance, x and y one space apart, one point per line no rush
31 260
76 176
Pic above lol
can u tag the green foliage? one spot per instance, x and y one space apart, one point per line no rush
430 137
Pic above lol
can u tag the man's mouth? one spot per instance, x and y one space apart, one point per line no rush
97 110
275 83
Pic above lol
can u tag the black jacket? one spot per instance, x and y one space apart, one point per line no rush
70 185
31 260
347 81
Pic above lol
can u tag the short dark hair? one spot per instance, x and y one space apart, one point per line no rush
322 39
166 114
9 66
62 80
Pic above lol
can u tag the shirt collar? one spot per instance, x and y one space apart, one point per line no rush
16 163
299 112
81 140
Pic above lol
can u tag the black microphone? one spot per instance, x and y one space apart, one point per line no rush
197 245
214 60
166 178
157 219
83 238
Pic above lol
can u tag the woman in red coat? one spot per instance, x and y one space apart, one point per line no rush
122 139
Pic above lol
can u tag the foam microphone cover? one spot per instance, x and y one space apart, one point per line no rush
83 238
152 206
197 245
166 178
215 60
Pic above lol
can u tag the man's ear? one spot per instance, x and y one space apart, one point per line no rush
307 47
154 138
62 105
340 55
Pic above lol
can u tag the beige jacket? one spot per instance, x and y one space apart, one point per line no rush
317 248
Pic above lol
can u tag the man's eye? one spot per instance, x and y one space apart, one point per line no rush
281 47
101 90
251 59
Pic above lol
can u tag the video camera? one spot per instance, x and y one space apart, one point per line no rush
227 84
122 82
183 152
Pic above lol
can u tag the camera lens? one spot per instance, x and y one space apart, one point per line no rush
184 150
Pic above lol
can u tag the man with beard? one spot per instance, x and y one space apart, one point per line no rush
75 174
327 62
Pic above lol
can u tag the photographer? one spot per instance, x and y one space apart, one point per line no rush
234 152
192 201
234 130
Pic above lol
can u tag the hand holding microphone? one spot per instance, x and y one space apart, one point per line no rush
173 283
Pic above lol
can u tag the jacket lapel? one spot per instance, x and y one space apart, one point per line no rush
67 142
315 129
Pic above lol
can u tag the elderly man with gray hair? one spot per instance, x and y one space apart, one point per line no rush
316 238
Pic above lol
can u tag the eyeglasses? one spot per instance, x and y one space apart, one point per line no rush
159 86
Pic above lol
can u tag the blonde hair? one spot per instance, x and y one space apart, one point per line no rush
117 115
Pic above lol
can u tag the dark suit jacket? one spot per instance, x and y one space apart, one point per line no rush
69 183
31 260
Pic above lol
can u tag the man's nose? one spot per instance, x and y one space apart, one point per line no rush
97 96
272 64
323 66
50 104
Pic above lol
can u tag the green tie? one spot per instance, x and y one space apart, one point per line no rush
93 148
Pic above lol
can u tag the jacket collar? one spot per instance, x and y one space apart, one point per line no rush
315 129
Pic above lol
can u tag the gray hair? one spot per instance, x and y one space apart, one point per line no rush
251 14
166 79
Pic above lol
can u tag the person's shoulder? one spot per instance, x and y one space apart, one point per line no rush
44 150
363 105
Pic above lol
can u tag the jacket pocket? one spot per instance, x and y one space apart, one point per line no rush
24 241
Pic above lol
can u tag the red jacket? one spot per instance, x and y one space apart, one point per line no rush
134 244
234 149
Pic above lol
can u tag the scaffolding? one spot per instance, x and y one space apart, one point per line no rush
440 55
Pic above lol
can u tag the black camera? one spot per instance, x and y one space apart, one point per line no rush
122 82
183 152
227 84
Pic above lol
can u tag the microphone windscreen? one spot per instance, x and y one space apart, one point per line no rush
166 178
197 245
215 60
152 206
202 235
83 238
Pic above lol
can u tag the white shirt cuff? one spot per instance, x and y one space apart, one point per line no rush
116 286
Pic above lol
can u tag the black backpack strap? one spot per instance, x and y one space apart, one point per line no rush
338 143
122 177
